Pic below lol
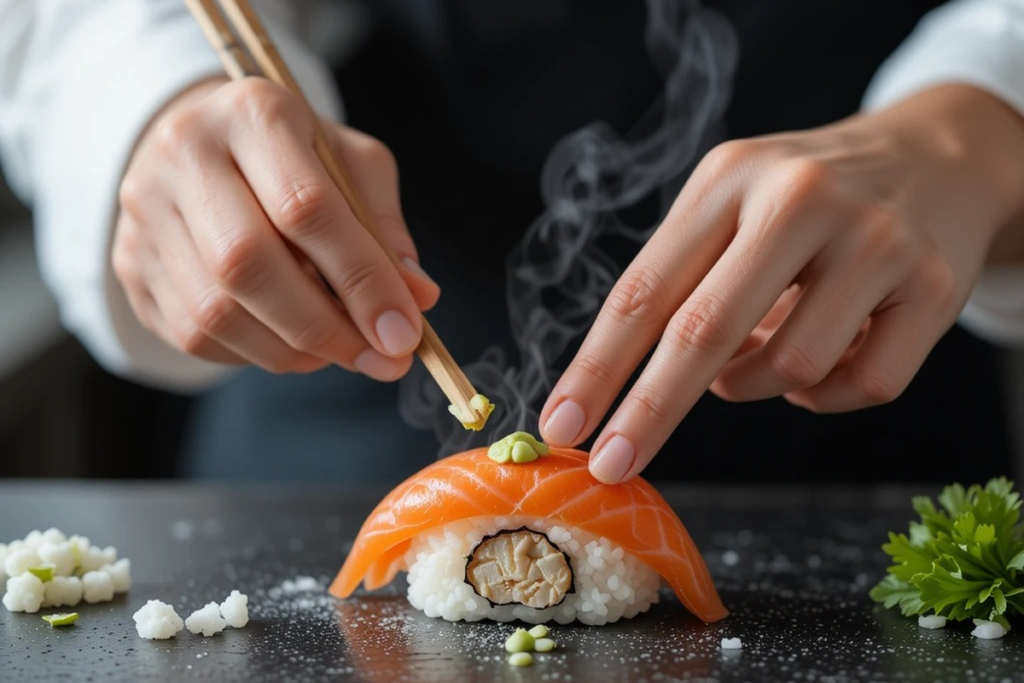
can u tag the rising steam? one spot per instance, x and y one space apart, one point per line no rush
557 277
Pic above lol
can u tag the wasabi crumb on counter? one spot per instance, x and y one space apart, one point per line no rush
64 619
519 641
517 447
482 405
520 659
157 621
544 645
732 644
539 631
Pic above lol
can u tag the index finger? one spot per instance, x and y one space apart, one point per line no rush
767 255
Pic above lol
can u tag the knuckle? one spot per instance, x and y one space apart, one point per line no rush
807 179
175 133
130 195
701 325
729 155
217 314
885 235
377 153
595 368
796 366
877 386
357 281
653 406
315 336
636 298
938 280
261 103
302 208
192 339
240 264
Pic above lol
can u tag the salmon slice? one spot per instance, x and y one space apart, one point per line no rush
557 486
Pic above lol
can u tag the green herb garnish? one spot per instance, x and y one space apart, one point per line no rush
964 560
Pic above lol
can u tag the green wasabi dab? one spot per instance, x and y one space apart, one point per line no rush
518 447
520 659
482 405
544 645
65 619
44 573
539 631
519 641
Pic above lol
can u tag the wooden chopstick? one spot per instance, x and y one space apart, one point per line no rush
263 59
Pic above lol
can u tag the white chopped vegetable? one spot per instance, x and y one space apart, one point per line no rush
60 556
98 587
19 561
931 621
63 591
3 559
988 630
120 574
235 609
24 593
207 620
157 621
732 644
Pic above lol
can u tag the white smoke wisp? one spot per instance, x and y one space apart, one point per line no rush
557 277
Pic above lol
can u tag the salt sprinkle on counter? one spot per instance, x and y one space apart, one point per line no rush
732 644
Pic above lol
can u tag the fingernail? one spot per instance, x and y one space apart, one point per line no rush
613 460
396 333
374 365
565 423
413 266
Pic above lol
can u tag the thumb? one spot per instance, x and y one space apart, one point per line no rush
374 172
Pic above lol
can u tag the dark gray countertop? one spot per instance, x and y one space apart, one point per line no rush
793 564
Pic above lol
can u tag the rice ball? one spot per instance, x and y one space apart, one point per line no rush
988 630
931 621
21 560
34 539
207 620
157 621
25 593
63 591
60 555
120 574
235 609
54 536
98 587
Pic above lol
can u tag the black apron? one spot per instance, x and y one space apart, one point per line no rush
471 96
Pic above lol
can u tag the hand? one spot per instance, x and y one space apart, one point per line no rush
821 266
228 221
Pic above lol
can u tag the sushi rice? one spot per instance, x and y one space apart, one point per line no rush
609 583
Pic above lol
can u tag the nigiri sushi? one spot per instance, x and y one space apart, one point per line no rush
526 533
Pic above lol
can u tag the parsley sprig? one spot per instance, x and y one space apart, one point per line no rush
963 560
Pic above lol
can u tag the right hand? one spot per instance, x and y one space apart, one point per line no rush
228 220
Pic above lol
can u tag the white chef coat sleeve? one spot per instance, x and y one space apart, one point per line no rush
79 81
980 43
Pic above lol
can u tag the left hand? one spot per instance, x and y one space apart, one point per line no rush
821 266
